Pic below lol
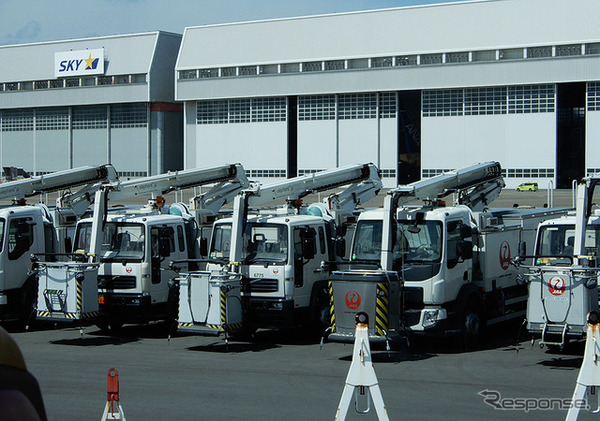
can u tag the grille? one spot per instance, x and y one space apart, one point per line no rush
413 297
116 282
262 285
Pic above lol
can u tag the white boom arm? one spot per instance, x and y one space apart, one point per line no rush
209 203
345 202
165 183
292 190
476 185
484 179
82 176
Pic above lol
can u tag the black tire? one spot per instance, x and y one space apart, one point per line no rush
473 321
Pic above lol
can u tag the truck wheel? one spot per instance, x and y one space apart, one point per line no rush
473 320
28 315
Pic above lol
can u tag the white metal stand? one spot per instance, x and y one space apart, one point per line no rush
588 381
361 379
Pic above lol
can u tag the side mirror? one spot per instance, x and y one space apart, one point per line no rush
164 243
522 249
307 236
466 231
340 247
466 250
203 246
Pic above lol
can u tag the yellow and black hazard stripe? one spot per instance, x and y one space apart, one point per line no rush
185 324
223 298
79 291
331 308
382 309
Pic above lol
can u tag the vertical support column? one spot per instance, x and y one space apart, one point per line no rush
70 139
108 135
149 137
34 141
292 136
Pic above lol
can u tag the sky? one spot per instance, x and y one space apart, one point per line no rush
25 21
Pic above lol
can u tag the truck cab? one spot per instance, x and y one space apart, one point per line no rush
433 253
282 264
133 277
24 230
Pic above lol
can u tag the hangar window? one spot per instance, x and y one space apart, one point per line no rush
335 65
52 119
17 120
290 68
188 74
60 83
388 173
268 69
248 71
121 80
211 112
593 96
487 55
312 66
208 73
483 101
511 54
443 103
72 82
539 52
268 173
406 60
105 80
90 117
26 86
431 59
12 86
531 99
317 107
359 63
40 84
592 48
387 105
228 71
382 62
568 50
357 106
239 111
268 109
128 116
457 57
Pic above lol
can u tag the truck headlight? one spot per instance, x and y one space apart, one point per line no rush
433 316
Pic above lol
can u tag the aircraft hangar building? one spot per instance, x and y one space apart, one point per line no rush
415 90
89 101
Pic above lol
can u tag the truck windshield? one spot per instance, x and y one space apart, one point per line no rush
555 241
264 243
121 241
420 243
2 223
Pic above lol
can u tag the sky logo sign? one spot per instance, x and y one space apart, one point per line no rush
79 63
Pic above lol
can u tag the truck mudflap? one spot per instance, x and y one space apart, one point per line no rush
376 293
67 291
210 303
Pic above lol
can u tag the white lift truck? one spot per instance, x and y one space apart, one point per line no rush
563 279
432 268
27 229
275 261
130 246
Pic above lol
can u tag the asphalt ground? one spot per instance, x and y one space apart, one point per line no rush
286 375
